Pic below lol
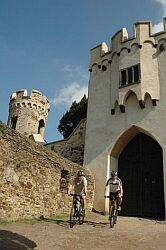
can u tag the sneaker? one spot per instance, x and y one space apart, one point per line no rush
119 208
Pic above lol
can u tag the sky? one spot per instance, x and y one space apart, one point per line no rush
45 44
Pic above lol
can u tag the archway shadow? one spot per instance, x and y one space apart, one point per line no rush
14 241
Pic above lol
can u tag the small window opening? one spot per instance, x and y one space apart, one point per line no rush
41 127
136 73
14 122
123 77
130 75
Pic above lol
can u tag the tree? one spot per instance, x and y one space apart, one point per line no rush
73 116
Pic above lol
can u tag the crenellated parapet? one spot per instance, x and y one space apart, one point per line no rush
131 64
121 41
28 113
36 101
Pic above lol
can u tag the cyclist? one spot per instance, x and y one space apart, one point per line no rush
114 186
79 186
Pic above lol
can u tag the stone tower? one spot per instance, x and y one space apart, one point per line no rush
28 114
126 119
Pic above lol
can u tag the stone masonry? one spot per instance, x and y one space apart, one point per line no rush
71 148
34 180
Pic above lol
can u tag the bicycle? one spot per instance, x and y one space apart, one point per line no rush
113 210
77 213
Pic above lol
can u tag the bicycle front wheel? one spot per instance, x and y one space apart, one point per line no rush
115 217
81 216
73 217
112 221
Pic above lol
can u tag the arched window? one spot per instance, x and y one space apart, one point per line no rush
41 127
14 122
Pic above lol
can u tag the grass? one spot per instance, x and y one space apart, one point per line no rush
61 217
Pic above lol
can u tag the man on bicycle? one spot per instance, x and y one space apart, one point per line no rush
79 187
114 187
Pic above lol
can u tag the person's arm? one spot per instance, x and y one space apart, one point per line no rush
85 186
121 191
121 188
70 187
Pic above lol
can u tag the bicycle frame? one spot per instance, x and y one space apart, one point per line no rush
77 213
113 212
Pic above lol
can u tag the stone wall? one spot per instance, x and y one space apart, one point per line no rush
34 180
71 148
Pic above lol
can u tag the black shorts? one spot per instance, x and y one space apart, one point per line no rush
114 195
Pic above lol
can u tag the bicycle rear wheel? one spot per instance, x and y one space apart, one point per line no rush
112 221
81 216
73 217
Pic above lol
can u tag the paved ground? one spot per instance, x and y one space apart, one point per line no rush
94 234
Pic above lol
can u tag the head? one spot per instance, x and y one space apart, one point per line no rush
114 174
80 174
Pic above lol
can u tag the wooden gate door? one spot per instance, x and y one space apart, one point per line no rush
141 170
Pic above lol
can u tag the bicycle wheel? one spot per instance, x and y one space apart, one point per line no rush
115 216
112 217
81 216
73 217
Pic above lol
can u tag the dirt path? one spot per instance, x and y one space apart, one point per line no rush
95 234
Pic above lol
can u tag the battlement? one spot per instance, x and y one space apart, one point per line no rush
121 40
36 100
22 94
28 113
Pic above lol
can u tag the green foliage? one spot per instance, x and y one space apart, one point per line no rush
73 116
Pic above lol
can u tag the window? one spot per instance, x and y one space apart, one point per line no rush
123 77
130 75
136 73
14 122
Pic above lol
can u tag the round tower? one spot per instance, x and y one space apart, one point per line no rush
28 114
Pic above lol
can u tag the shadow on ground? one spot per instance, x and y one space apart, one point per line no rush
14 241
65 223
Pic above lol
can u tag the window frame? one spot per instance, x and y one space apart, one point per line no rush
132 68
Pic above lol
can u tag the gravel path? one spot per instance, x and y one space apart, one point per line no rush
94 234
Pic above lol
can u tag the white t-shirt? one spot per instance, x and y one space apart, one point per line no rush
115 185
78 186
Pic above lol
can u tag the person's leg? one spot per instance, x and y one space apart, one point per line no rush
119 200
83 202
110 208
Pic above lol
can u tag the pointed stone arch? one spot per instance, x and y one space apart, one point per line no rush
135 154
147 95
127 96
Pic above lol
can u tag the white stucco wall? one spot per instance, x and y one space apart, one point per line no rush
103 129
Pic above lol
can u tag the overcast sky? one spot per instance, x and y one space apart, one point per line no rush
44 45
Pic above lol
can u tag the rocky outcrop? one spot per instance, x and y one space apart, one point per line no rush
33 179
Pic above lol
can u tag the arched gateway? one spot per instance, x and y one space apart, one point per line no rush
140 166
125 128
